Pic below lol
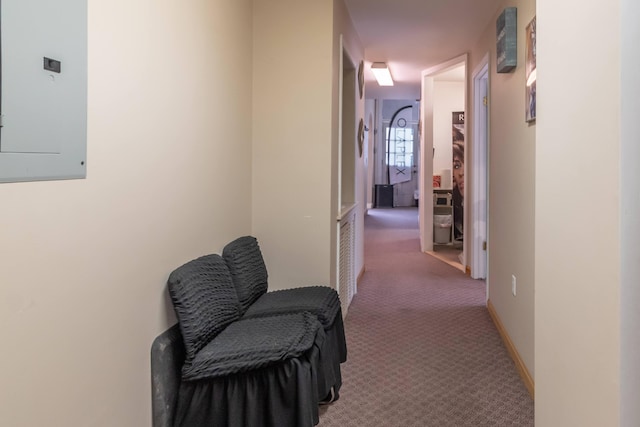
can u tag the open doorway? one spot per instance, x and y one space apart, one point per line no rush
442 214
397 147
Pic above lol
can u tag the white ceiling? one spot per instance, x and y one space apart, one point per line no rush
415 35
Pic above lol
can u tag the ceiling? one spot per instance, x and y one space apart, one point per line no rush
415 35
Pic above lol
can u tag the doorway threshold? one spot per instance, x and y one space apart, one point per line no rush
448 254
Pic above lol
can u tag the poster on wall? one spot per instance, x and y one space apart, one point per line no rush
458 175
530 71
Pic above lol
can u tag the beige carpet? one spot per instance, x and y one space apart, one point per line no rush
422 348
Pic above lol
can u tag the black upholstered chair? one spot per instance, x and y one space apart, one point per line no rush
248 270
242 372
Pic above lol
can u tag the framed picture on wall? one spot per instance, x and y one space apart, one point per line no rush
530 72
507 40
361 79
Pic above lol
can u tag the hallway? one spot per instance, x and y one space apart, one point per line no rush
423 350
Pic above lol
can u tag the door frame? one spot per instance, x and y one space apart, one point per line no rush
480 171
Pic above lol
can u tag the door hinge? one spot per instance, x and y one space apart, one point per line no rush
485 101
1 120
484 246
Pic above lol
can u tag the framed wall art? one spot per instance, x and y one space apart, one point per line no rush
530 72
361 79
506 40
360 136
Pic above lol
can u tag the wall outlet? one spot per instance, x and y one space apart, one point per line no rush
513 285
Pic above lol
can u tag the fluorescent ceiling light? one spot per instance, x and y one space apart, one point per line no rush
382 74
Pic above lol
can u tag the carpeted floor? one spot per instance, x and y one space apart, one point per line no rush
423 350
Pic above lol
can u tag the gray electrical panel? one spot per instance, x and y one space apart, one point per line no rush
43 83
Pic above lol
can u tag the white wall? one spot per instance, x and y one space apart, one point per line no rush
292 78
84 263
447 98
295 108
512 178
578 214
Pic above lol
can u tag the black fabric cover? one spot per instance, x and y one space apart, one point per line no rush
255 343
337 341
322 301
281 395
248 270
249 273
204 299
332 353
